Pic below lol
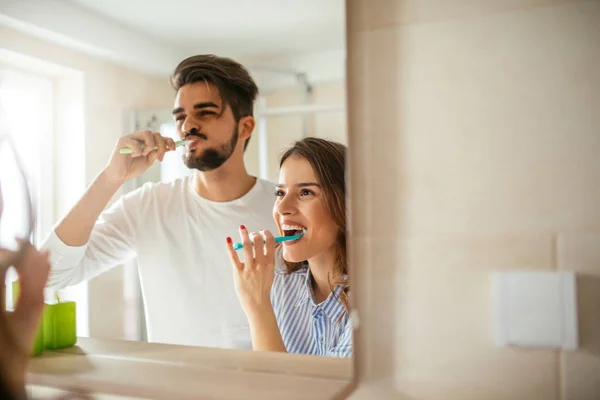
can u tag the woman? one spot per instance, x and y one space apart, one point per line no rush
296 297
17 328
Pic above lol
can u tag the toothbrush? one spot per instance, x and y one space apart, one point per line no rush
279 239
127 150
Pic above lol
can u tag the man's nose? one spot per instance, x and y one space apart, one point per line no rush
190 127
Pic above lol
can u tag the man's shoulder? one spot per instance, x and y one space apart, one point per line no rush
266 185
260 191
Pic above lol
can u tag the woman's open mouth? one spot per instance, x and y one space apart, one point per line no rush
292 230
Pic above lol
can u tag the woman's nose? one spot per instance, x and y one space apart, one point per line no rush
285 206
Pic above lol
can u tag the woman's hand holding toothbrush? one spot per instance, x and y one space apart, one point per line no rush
253 279
254 276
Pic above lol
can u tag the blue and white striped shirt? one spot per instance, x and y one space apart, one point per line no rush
307 327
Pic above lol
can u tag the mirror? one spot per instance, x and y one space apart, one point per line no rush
16 208
16 211
155 266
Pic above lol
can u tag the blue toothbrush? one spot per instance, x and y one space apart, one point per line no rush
279 239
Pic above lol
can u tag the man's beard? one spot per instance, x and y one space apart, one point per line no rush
212 158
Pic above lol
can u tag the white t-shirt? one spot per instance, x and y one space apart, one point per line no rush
179 239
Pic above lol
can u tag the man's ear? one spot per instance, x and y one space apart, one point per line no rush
246 126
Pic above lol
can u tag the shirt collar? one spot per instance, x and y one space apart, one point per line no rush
331 306
306 289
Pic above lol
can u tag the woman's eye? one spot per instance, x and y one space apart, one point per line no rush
279 193
306 192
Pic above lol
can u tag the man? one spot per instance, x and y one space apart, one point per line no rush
177 230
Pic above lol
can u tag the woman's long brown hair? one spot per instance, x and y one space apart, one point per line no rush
328 161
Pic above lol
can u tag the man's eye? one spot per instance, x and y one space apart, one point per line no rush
279 193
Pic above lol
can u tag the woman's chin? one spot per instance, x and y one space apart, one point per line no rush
292 256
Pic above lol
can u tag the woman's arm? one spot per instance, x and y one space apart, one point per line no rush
253 279
17 328
264 330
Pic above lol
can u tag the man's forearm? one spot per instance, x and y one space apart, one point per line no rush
265 332
76 227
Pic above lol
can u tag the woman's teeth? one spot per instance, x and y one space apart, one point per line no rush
291 230
287 227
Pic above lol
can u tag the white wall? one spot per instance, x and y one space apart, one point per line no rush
108 91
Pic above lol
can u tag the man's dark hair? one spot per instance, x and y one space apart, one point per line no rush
235 85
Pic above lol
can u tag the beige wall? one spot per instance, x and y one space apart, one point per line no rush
475 145
284 130
108 92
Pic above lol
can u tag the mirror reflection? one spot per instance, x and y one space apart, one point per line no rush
189 172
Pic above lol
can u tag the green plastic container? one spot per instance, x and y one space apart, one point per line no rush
60 325
38 344
57 328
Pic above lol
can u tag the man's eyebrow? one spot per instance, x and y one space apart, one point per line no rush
197 106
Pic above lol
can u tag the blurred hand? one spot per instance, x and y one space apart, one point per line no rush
18 328
122 167
254 276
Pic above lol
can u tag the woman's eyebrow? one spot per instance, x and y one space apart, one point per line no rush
303 184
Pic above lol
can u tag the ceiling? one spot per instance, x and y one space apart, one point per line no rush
236 28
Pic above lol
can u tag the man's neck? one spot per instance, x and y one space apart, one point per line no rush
226 183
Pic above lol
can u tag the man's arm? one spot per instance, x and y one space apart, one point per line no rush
76 227
87 241
110 239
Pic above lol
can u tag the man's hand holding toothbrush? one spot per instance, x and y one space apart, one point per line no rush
146 147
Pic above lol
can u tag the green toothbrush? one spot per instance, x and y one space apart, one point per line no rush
127 150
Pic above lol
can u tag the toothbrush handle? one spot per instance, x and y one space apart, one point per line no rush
128 150
279 239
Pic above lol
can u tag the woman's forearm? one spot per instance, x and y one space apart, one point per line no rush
264 330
